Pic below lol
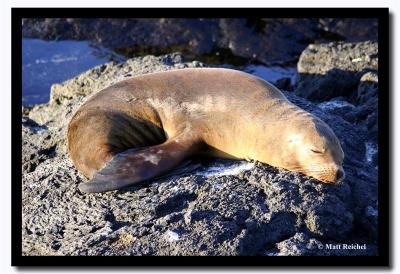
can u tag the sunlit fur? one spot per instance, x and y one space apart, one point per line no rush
311 148
177 114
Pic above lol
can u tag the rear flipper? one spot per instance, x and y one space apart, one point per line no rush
187 166
136 165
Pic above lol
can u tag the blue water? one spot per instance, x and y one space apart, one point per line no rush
48 62
273 73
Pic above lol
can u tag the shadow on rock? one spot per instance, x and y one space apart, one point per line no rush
259 210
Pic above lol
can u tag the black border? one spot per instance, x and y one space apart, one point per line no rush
382 14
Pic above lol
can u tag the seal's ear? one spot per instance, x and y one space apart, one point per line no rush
136 165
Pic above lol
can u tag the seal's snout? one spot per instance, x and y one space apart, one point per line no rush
339 175
329 175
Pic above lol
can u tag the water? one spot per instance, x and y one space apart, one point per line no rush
47 62
273 73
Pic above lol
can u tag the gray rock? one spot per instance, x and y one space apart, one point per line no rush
344 76
330 70
38 144
342 107
263 39
220 207
302 245
351 30
367 88
284 84
367 97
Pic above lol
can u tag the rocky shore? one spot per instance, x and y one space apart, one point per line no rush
226 40
219 207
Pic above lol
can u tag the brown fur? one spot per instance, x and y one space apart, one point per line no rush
235 114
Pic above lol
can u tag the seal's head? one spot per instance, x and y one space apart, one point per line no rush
313 149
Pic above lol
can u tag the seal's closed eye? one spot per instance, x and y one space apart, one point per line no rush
316 151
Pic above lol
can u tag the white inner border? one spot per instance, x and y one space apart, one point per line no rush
5 112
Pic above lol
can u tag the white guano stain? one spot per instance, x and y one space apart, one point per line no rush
371 212
356 60
370 150
223 170
334 104
172 236
217 185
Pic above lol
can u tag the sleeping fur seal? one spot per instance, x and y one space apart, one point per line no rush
145 126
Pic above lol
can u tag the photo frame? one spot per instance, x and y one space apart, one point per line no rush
381 211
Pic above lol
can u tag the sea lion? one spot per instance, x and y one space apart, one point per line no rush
144 126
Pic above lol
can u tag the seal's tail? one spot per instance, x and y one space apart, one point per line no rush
136 165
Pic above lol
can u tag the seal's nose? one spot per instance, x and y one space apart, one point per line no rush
339 175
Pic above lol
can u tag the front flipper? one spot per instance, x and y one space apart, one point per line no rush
136 165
